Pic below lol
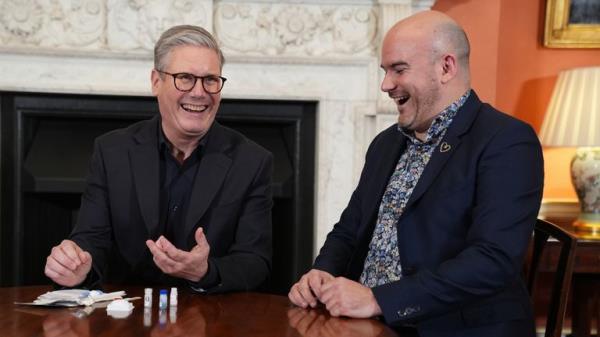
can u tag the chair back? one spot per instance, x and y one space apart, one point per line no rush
562 277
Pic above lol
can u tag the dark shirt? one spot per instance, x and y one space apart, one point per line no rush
176 184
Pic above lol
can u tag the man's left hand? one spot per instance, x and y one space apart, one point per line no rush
344 297
191 265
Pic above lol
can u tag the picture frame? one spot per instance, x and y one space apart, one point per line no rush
572 24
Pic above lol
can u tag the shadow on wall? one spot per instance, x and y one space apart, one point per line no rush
535 93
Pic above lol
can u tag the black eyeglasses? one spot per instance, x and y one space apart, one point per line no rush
185 82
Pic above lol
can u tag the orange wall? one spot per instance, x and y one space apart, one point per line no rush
514 72
484 34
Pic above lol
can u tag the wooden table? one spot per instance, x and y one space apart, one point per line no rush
237 314
586 278
585 284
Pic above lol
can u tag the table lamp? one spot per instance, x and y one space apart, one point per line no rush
573 119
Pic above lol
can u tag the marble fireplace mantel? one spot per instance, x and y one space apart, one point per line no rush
318 50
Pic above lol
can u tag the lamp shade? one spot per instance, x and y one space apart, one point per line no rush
573 115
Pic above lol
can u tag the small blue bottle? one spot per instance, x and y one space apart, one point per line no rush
162 300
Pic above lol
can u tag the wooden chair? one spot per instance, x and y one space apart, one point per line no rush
562 277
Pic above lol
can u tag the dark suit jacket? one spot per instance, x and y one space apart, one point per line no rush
463 233
231 200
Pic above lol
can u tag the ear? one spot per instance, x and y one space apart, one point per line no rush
155 82
449 68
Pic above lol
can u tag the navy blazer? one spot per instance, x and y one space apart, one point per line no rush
463 233
231 199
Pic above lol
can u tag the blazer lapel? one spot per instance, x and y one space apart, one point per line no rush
439 157
382 172
213 169
447 147
145 175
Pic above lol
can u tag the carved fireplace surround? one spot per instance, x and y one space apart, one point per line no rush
314 50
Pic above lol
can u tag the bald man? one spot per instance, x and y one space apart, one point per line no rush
434 235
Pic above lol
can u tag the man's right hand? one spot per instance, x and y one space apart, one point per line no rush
306 291
68 265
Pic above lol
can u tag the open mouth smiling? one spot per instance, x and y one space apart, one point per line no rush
194 107
401 100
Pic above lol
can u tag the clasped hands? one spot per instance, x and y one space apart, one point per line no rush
341 296
68 265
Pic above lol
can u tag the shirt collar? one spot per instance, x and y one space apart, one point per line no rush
164 146
440 122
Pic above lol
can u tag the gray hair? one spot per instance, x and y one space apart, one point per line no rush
183 35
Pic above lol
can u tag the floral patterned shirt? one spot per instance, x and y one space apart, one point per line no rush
382 264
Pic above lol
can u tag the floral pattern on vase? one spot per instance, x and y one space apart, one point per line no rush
585 175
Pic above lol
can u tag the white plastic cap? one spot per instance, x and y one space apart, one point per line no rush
173 297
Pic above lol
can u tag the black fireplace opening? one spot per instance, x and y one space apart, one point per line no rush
46 142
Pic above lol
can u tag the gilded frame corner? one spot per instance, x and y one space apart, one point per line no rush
560 33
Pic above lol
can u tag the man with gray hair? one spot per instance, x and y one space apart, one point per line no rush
178 199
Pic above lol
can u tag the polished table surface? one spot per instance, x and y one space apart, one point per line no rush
236 314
